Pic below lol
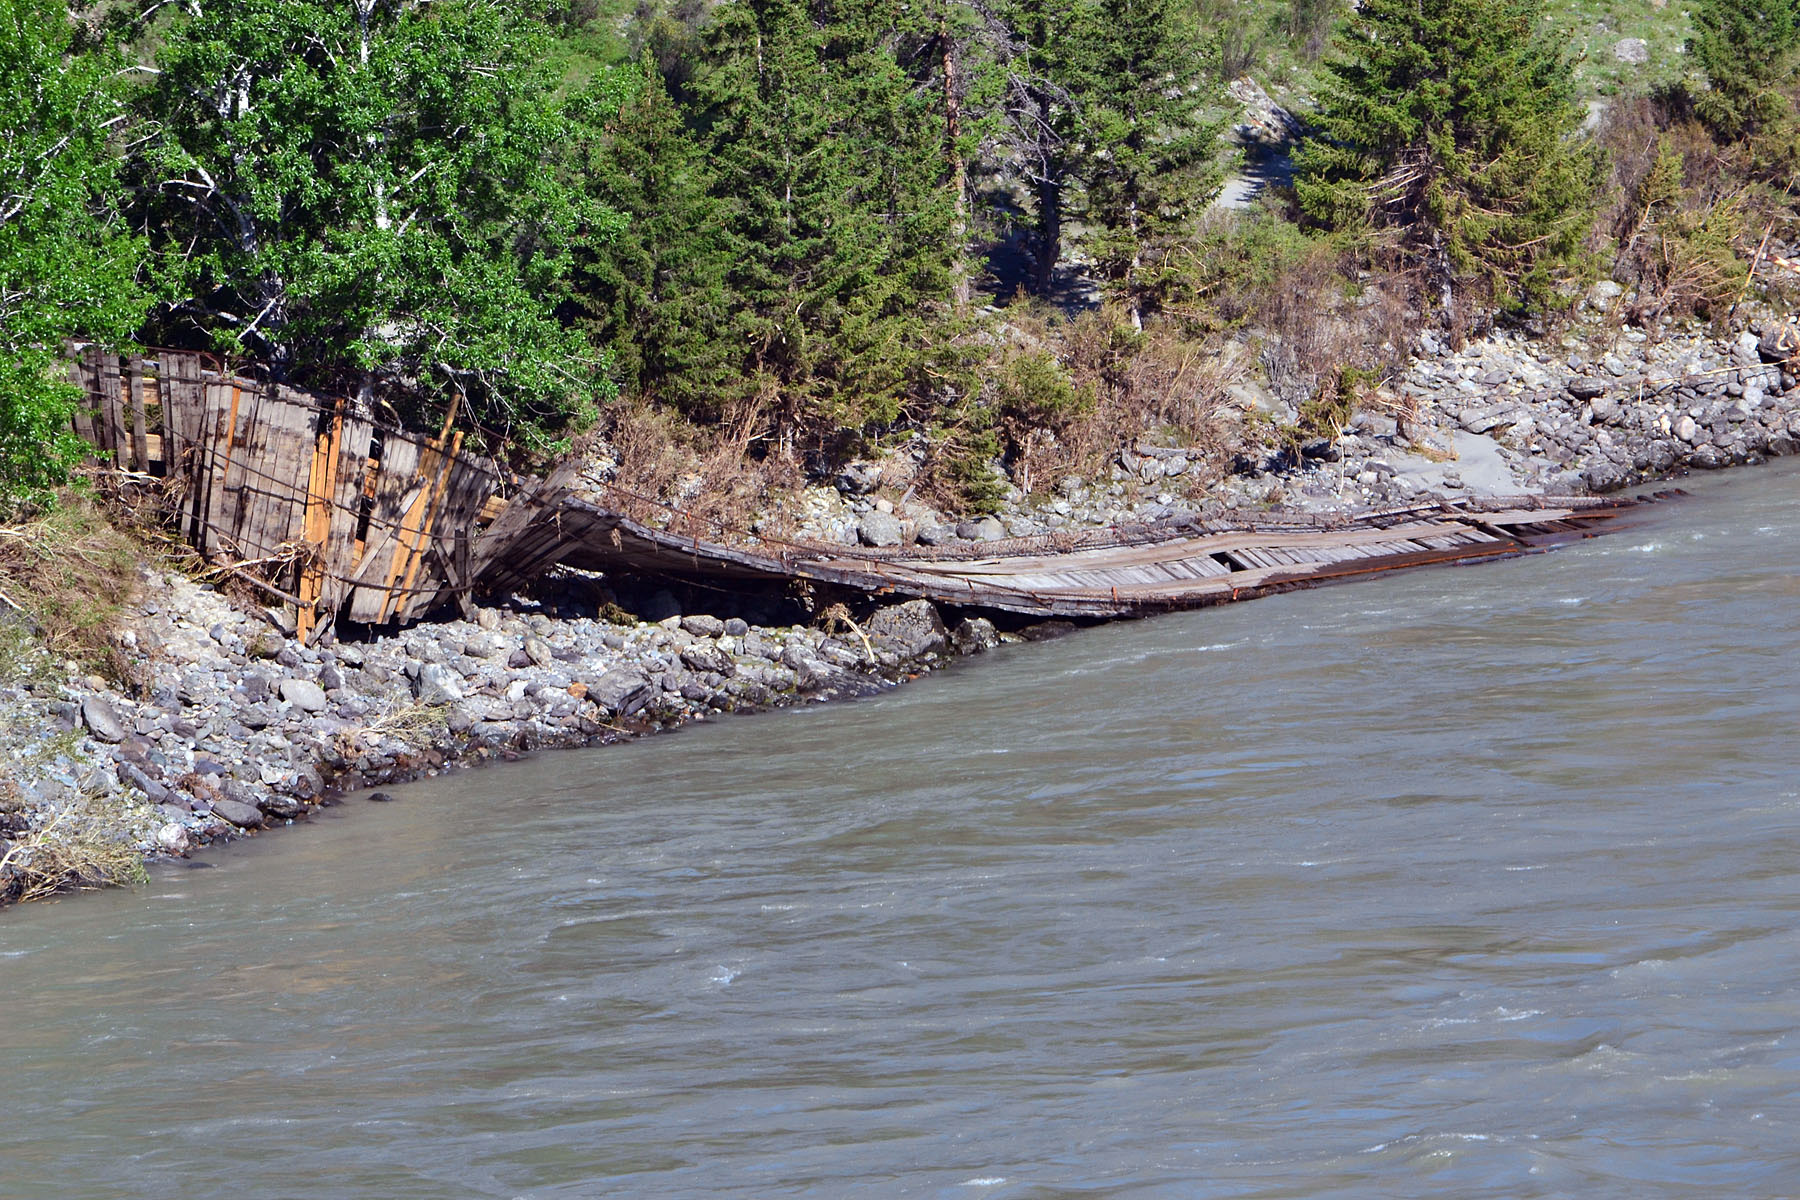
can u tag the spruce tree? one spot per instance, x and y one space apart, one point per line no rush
653 294
1148 149
1747 50
1452 125
830 171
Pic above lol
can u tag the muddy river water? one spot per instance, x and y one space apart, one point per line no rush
1480 882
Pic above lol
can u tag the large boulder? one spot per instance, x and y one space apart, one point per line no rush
1779 343
910 630
439 684
102 721
304 695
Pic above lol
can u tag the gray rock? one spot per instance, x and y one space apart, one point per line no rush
488 619
859 479
737 627
911 630
1686 429
244 816
330 678
880 529
1606 410
1583 388
622 691
438 685
973 635
1779 343
701 625
987 529
1631 50
105 724
703 656
537 651
304 695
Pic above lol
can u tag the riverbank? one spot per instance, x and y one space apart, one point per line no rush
228 727
1600 407
235 729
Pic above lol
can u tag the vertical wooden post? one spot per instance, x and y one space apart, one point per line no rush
321 492
140 433
82 365
112 436
166 393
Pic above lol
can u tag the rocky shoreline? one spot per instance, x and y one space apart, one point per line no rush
231 727
235 728
1601 408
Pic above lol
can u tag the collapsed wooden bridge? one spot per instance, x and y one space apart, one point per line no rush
341 518
1116 572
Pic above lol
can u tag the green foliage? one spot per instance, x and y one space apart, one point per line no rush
361 193
1149 151
654 293
827 166
1681 241
1452 123
1035 392
1745 49
66 265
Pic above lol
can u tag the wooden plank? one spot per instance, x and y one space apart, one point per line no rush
321 492
410 596
111 438
353 475
83 367
140 422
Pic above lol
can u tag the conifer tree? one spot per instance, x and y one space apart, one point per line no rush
653 294
1746 49
1452 125
1148 148
830 170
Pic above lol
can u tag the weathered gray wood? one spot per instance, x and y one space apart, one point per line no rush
140 422
112 439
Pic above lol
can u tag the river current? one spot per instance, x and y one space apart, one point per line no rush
1475 882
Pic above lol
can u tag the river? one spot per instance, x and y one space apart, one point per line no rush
1475 881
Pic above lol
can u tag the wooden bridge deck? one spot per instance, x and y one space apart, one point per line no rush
1107 573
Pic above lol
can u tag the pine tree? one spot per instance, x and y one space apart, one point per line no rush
1452 124
653 294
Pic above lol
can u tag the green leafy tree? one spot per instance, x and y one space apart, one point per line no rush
1747 51
1453 124
361 193
66 265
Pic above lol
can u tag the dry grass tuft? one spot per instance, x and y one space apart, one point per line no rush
67 576
84 844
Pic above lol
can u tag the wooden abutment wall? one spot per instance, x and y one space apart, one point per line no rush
322 508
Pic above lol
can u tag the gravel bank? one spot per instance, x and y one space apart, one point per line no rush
235 728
